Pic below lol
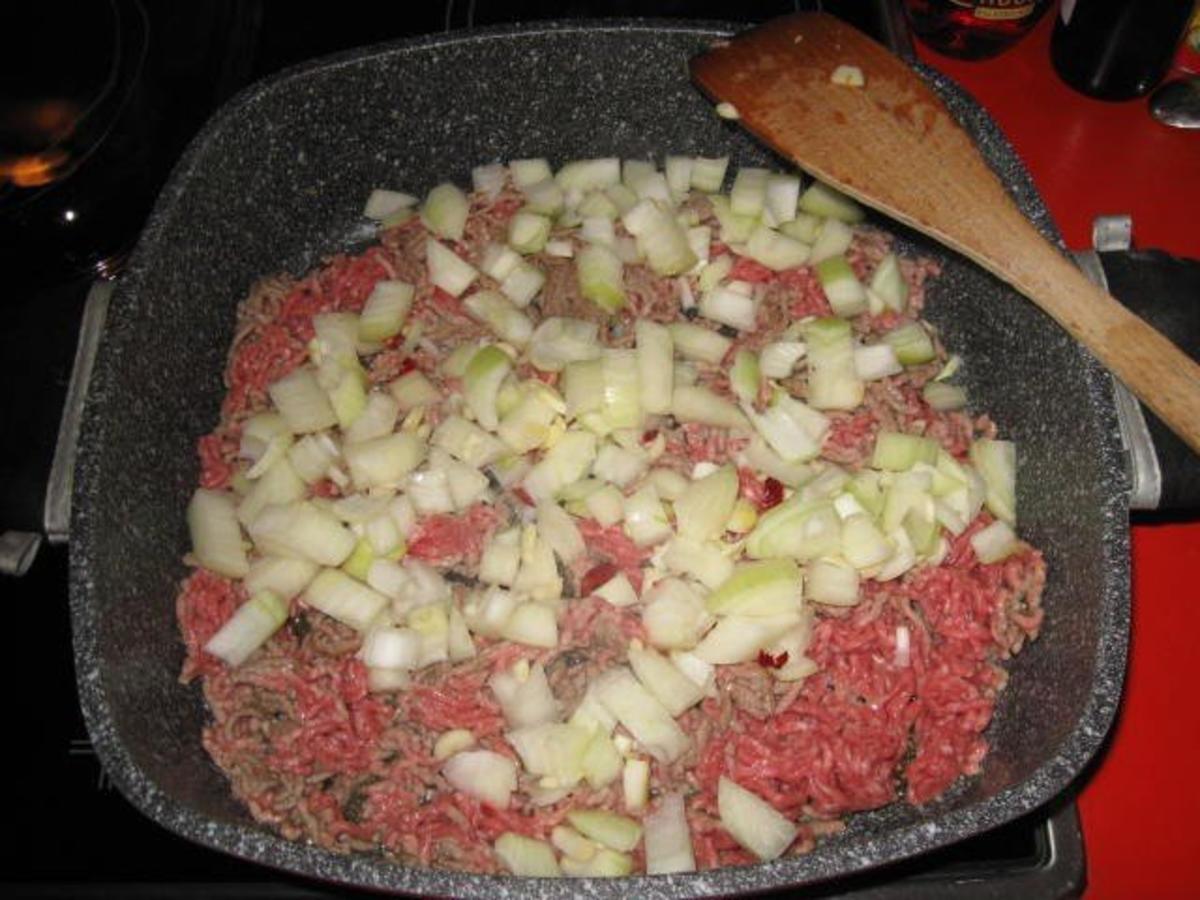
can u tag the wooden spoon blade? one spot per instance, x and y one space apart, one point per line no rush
892 144
860 139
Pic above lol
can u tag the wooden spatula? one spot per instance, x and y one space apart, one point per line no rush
892 144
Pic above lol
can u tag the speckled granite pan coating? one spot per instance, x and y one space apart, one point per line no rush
277 179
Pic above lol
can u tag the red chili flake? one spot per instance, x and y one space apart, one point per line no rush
521 494
649 434
597 577
767 661
772 493
407 366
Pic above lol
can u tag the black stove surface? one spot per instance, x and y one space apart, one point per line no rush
72 834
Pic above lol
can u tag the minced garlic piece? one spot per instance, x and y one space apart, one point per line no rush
727 110
850 76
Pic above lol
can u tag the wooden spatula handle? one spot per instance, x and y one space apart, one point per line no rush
893 144
1158 372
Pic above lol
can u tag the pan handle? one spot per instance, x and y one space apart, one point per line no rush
57 511
1145 475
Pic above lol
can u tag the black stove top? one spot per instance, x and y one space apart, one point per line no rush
72 834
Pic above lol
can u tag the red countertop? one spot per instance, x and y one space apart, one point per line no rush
1088 158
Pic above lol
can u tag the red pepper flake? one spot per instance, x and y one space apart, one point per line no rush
649 435
521 494
767 661
597 577
407 366
772 494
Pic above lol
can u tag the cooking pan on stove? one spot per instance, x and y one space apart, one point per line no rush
277 180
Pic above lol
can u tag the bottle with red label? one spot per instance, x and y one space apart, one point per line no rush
973 29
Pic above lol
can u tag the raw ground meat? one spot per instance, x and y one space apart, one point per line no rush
311 751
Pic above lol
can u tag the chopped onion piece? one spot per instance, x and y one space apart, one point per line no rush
302 529
642 715
522 284
792 429
617 591
448 270
674 690
589 174
674 616
678 171
525 697
384 461
526 172
770 587
748 195
654 361
601 275
489 179
844 291
483 774
645 518
697 342
752 821
386 309
876 361
995 542
412 390
703 562
912 344
544 197
378 418
721 304
668 839
708 175
559 341
737 639
216 535
528 232
558 530
822 200
831 584
897 452
799 527
833 239
943 396
351 602
501 315
635 784
888 283
468 442
485 372
499 261
279 485
248 628
564 463
302 403
445 211
777 360
704 508
383 204
691 403
392 648
526 856
864 546
610 829
660 238
776 251
283 576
